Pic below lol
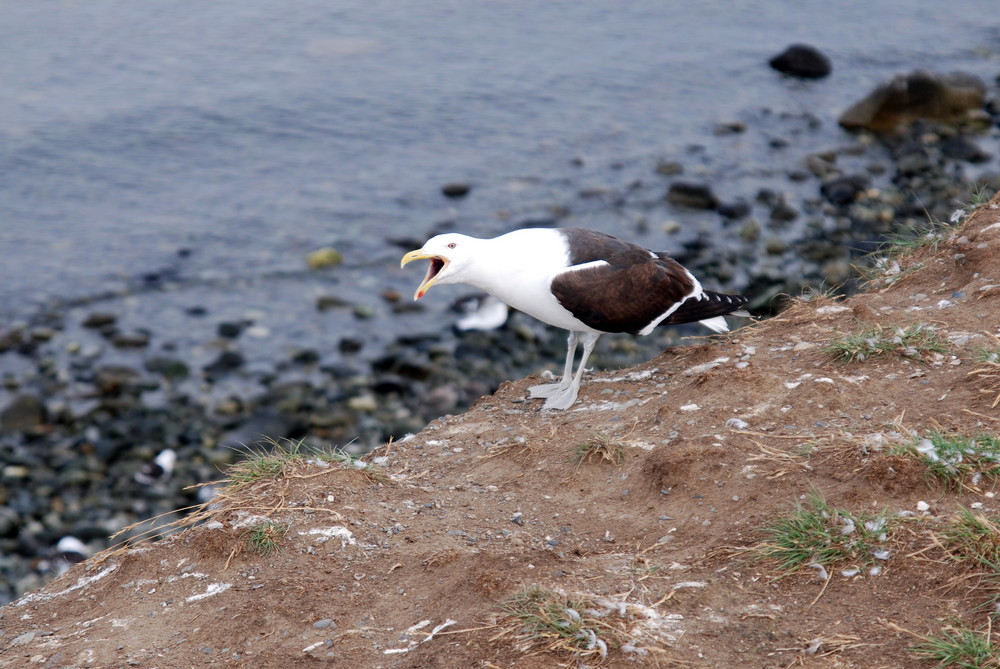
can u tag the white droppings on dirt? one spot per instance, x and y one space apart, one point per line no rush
834 308
81 582
324 534
213 589
697 370
646 446
641 375
737 423
413 629
611 406
825 379
244 519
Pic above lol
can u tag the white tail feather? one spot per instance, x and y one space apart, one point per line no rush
717 324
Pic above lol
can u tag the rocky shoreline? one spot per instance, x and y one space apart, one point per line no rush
90 404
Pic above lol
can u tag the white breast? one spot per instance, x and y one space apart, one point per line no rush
518 268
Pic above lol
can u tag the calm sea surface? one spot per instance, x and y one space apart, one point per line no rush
160 155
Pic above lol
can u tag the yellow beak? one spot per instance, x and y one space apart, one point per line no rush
438 264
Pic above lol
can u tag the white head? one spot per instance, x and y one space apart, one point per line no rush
451 258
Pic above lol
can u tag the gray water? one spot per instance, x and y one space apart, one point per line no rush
165 154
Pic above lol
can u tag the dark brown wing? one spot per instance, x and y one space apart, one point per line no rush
631 291
710 305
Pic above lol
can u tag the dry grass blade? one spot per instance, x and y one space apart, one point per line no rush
988 375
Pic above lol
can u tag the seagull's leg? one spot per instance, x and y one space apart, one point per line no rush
565 397
551 389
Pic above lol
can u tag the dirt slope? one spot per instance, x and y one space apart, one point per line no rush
478 507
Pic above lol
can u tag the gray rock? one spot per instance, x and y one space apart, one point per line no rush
961 148
99 319
23 413
844 190
669 168
692 195
455 190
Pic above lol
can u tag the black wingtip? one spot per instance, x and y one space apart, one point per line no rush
709 305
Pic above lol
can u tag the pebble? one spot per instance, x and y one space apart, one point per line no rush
692 195
456 190
324 258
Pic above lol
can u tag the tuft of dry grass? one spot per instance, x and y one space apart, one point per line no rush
987 375
543 620
601 448
271 463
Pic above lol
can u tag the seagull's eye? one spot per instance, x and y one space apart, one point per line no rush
452 245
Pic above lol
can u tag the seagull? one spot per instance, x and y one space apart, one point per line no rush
581 280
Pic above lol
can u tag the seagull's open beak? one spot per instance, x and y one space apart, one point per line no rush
438 264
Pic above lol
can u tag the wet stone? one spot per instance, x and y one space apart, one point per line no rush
99 319
844 190
669 168
803 61
137 339
229 329
226 362
455 190
738 208
692 195
24 412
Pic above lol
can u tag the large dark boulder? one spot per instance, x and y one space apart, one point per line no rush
803 61
948 97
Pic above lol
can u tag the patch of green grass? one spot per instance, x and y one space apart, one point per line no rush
988 355
887 263
955 458
274 458
980 196
348 461
961 646
819 534
263 462
263 538
974 538
601 448
914 341
587 629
